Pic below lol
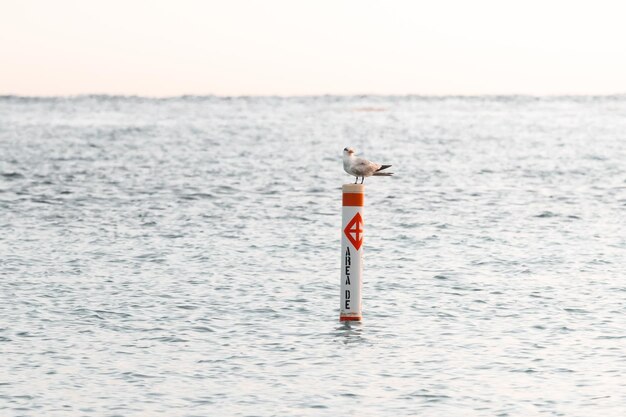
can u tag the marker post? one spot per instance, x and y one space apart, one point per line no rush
351 252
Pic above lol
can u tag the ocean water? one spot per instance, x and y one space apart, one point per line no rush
180 257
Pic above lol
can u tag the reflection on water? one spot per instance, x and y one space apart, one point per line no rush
350 332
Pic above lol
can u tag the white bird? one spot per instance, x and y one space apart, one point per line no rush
360 167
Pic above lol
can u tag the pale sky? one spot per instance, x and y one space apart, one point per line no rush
291 47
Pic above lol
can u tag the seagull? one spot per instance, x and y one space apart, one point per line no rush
360 167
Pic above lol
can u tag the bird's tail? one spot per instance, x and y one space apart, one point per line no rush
382 174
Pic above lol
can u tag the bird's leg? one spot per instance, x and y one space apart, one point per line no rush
357 178
362 179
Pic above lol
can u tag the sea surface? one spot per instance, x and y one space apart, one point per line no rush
180 257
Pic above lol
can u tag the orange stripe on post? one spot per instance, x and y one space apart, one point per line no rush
353 199
349 318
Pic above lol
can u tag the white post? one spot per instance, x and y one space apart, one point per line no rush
351 252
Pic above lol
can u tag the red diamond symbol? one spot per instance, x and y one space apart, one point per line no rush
354 231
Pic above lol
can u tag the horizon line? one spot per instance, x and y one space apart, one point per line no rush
373 95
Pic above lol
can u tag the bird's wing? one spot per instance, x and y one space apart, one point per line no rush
363 166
